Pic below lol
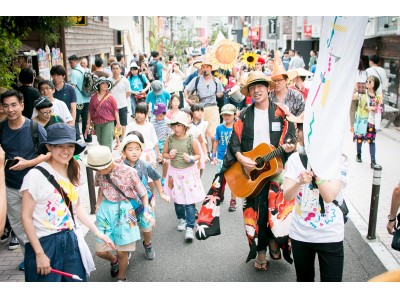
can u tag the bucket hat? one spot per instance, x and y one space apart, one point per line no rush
256 77
60 134
228 109
100 81
132 138
181 118
157 87
98 158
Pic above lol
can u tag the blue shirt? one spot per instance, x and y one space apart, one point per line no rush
67 95
222 135
77 80
136 83
153 99
190 77
160 67
19 143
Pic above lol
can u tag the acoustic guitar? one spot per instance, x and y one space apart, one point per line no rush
249 184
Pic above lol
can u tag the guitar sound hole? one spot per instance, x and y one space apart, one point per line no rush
260 162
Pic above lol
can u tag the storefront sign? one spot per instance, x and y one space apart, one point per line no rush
307 30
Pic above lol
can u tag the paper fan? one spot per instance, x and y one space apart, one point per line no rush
224 54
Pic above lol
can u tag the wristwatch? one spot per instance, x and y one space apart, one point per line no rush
391 220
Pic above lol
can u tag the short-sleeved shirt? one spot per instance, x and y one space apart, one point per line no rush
51 213
145 169
222 135
77 80
60 109
137 84
162 98
206 90
312 227
294 100
19 143
161 128
66 94
126 178
104 113
119 91
30 95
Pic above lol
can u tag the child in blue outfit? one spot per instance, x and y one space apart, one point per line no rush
131 148
220 143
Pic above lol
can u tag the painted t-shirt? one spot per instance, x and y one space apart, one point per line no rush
222 135
50 214
308 225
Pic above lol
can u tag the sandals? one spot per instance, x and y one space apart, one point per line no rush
261 263
275 252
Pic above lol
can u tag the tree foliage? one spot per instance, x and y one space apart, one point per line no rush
13 29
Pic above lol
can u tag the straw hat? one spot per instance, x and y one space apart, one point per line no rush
279 69
254 77
100 81
303 72
181 118
98 158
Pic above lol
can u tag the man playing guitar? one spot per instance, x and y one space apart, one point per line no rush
262 122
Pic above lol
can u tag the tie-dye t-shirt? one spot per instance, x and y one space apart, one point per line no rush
51 213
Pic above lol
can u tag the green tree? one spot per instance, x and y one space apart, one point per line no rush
13 29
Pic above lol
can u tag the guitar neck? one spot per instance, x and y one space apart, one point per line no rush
273 154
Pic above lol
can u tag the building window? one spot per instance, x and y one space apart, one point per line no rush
98 19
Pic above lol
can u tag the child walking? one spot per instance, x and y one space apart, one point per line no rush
369 107
122 202
173 106
200 124
132 148
183 185
220 143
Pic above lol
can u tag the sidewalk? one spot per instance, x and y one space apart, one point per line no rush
359 189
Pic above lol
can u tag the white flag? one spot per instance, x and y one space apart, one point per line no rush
326 116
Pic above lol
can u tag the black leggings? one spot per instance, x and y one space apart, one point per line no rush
330 257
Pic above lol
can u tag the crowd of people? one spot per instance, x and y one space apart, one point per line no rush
184 117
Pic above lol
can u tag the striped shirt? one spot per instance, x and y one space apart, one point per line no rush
161 128
106 112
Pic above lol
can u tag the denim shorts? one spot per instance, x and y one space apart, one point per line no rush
63 251
118 224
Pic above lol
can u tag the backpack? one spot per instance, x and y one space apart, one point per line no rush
89 79
34 128
153 69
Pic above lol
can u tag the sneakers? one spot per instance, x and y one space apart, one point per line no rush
149 252
181 225
5 236
189 234
114 269
122 280
14 243
359 158
373 164
232 205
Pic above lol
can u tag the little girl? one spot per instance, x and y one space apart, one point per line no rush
173 106
151 153
369 106
198 113
183 185
199 138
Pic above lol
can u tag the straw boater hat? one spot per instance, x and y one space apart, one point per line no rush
100 81
279 69
98 158
256 77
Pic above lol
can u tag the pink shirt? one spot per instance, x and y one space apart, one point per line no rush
106 112
126 178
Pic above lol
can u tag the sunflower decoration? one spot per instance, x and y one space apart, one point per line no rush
221 77
224 53
250 59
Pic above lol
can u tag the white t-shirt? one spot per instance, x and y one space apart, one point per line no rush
193 130
310 226
380 73
175 82
261 127
59 108
119 91
148 132
202 127
50 214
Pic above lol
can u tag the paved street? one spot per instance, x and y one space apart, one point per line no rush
222 258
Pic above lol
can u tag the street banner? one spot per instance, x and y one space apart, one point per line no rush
326 116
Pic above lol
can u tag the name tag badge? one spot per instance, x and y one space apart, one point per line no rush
276 126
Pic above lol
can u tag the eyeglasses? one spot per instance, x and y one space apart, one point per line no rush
45 88
46 113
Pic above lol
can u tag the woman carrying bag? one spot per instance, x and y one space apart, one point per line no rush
50 209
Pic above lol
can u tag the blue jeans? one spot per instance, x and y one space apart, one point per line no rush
187 212
133 104
62 250
84 114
